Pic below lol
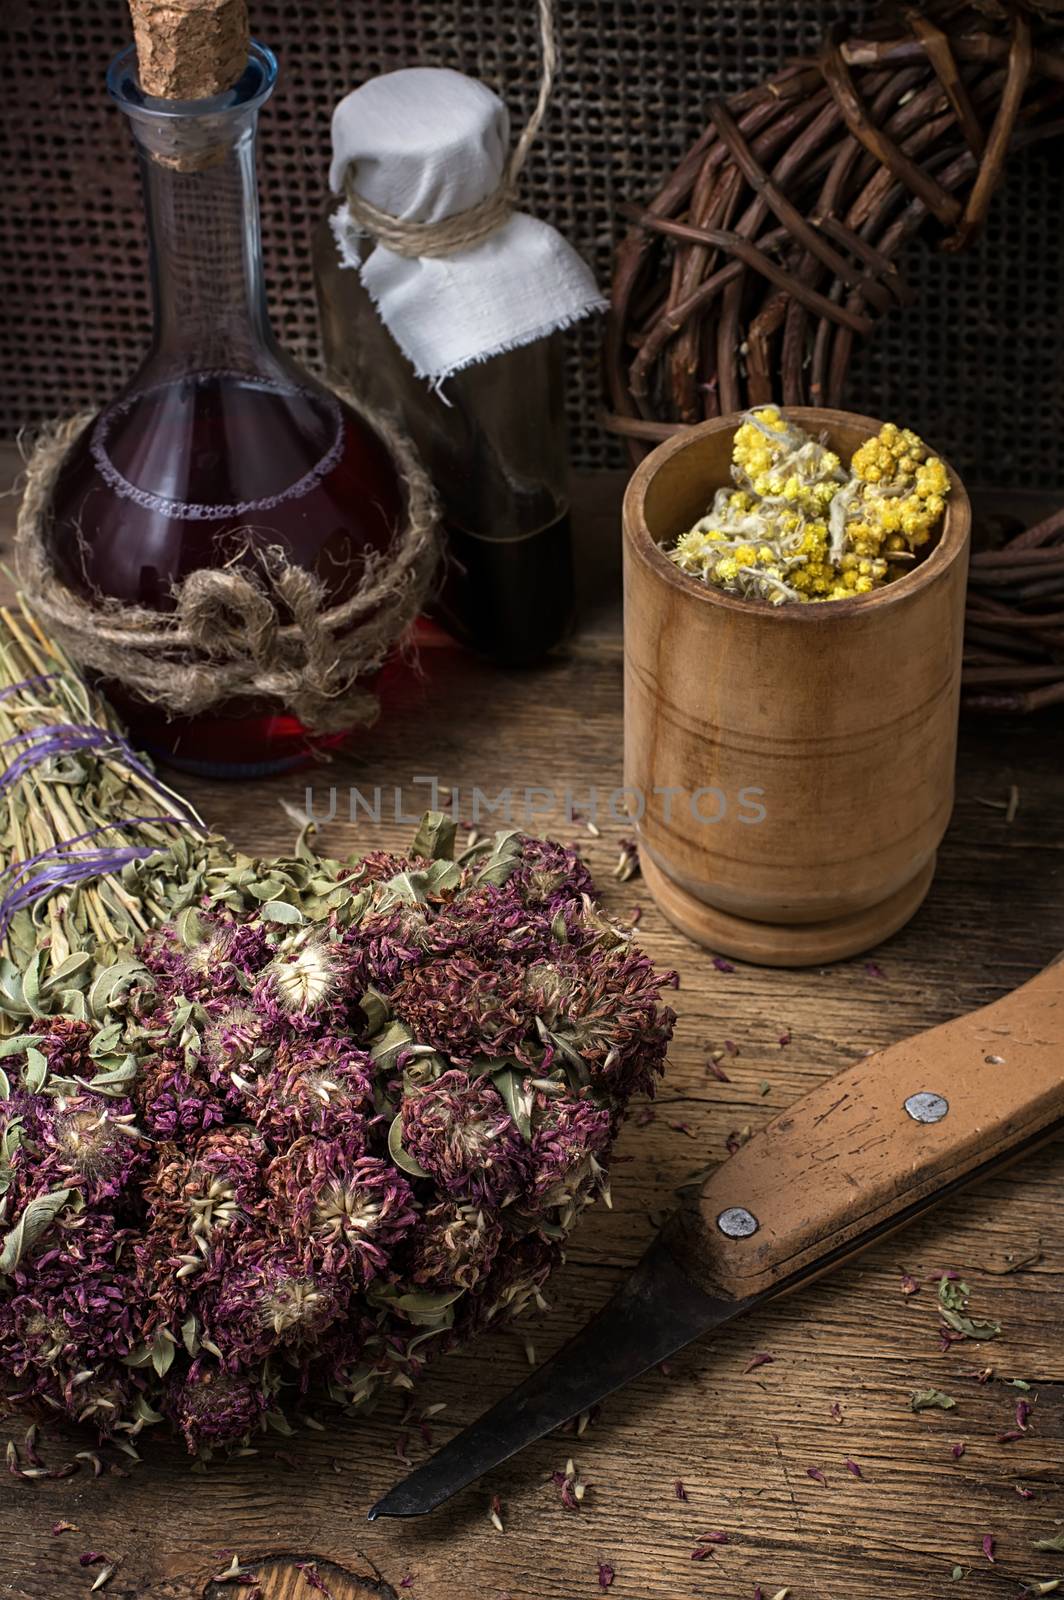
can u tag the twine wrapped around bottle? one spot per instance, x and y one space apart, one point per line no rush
258 629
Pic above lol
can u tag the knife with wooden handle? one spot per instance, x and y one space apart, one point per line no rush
857 1158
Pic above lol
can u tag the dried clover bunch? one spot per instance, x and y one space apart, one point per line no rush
326 1122
799 526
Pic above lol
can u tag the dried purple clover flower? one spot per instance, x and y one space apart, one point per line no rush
309 980
320 1086
269 1299
361 1117
210 1407
69 1314
460 1132
86 1142
569 1135
549 874
345 1209
454 1246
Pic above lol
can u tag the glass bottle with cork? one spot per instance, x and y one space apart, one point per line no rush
222 451
439 298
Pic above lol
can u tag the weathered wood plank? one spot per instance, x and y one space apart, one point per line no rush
741 1442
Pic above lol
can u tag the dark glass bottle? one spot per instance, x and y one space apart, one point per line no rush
492 437
221 445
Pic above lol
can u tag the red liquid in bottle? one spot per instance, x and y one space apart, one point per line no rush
207 469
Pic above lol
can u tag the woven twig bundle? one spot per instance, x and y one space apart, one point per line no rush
773 248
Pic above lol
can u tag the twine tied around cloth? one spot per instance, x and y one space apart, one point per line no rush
258 629
464 229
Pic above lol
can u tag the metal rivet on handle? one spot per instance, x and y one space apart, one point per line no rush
926 1107
737 1222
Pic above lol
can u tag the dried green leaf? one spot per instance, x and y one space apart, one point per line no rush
34 1223
953 1294
401 1157
16 1044
377 1010
162 1354
116 1079
1056 1543
35 1072
389 1046
504 858
971 1327
31 979
510 1082
280 911
70 972
435 837
105 1041
929 1399
112 983
189 927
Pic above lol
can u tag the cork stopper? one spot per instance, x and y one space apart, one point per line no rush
189 49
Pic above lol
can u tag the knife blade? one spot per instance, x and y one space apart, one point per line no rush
854 1160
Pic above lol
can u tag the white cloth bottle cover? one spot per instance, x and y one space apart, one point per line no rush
427 144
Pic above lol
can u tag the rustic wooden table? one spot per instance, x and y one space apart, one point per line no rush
846 1354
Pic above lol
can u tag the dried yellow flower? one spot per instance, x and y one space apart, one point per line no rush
799 526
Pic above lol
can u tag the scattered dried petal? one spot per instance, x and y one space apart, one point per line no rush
852 1467
1023 1492
958 1450
313 1578
713 1065
723 965
989 1546
65 1527
909 1284
679 1490
761 1359
495 1514
605 1575
874 970
817 1474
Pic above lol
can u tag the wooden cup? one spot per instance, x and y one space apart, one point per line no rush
793 765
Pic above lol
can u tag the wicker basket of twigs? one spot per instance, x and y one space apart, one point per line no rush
1014 633
773 249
